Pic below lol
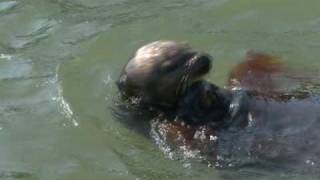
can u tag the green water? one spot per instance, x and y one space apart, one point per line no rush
59 60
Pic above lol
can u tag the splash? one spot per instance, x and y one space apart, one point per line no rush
175 149
66 109
5 56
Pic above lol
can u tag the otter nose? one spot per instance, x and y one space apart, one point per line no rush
205 61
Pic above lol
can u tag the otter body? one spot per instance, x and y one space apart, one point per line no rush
234 128
206 103
251 121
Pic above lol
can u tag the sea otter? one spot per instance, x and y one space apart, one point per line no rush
253 120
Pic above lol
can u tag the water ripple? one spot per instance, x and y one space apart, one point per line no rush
36 32
15 175
7 5
14 67
83 31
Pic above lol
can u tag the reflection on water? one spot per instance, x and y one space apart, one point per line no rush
59 59
5 6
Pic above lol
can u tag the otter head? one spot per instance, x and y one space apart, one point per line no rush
160 72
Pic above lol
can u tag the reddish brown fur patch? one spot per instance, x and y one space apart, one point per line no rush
256 72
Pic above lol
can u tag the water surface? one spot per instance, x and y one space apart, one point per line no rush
59 60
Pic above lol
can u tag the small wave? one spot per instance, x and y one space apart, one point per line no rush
64 106
35 32
12 67
83 31
7 5
5 56
15 175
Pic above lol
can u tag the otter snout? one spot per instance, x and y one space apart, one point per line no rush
201 63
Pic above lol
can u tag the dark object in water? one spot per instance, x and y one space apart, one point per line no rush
255 120
219 108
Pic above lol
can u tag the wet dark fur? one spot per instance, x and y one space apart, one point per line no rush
259 124
274 137
206 103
